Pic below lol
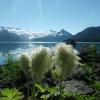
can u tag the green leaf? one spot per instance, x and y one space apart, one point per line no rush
10 94
42 89
97 84
52 89
45 96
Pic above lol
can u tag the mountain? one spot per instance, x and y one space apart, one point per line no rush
90 34
12 34
16 34
53 36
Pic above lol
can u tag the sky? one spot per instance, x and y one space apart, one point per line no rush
44 15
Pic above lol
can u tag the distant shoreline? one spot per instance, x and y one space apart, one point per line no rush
25 42
38 42
87 42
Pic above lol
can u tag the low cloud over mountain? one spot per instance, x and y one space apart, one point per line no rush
16 34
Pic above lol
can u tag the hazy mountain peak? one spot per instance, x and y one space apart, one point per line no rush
17 34
53 36
64 32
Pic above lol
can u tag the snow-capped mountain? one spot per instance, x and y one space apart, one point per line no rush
16 34
53 36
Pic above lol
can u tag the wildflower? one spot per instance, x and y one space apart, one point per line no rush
24 61
66 58
40 63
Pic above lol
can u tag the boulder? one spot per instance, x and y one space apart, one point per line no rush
76 86
77 73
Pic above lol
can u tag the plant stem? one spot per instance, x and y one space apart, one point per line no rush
60 89
28 88
33 91
61 85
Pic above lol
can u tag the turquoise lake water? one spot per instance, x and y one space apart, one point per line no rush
18 47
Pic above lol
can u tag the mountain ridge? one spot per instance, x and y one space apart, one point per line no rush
90 34
17 34
54 36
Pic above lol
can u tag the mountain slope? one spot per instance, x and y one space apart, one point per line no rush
54 36
16 34
6 34
90 34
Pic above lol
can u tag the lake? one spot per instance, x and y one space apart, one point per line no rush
18 47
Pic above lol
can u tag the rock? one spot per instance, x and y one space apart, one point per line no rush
1 76
77 73
96 69
75 86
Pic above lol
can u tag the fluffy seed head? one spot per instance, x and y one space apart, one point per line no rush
24 61
40 63
65 58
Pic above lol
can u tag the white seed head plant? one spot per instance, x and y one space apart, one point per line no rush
24 61
40 63
65 58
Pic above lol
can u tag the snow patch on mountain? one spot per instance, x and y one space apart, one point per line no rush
30 35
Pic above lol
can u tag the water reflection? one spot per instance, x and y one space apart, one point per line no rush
14 46
18 47
5 47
